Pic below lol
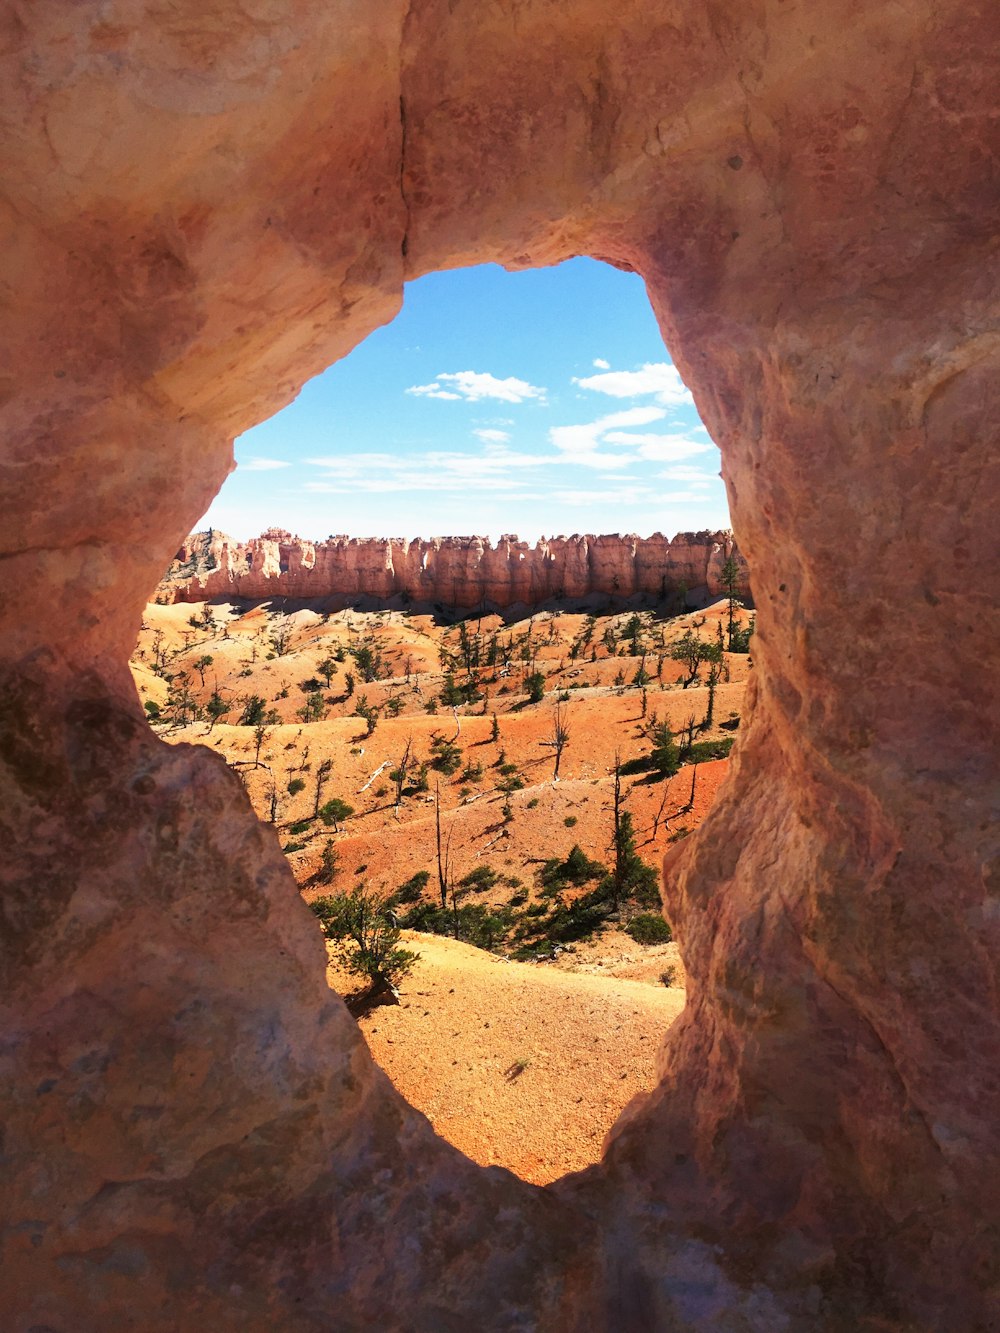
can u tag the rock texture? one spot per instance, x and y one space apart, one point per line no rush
205 203
458 572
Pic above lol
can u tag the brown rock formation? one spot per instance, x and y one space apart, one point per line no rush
205 203
459 572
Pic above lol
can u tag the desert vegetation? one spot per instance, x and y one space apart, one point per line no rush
553 756
446 789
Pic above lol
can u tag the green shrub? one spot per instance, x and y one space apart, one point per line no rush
702 751
333 811
649 928
535 685
475 923
296 785
664 756
641 764
413 889
447 756
576 869
328 862
367 940
480 879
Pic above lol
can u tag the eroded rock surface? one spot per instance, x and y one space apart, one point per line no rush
205 203
459 572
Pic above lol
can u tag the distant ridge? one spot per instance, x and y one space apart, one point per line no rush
461 573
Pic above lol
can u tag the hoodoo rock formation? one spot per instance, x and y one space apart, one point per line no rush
206 202
458 572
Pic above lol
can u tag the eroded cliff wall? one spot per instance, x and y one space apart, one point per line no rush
457 572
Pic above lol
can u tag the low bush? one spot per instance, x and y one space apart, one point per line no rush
576 869
413 889
701 751
447 756
367 940
649 928
479 880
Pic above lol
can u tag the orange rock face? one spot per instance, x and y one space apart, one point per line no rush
205 203
461 572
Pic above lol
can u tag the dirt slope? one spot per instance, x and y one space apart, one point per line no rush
519 1065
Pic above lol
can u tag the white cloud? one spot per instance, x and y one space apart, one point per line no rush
494 468
618 495
586 437
658 448
434 391
659 378
262 464
490 436
601 364
473 386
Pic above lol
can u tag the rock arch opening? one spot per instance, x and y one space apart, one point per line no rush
529 699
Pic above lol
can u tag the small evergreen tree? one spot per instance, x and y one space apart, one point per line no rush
535 685
327 862
253 711
314 709
333 811
692 651
216 708
358 923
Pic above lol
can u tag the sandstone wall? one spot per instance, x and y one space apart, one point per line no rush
204 203
460 572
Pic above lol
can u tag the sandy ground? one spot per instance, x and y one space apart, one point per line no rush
523 1065
519 1065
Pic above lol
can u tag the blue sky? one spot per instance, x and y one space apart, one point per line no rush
539 402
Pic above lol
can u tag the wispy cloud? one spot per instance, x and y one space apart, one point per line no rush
262 464
493 468
584 438
658 378
473 386
658 448
619 495
581 443
489 435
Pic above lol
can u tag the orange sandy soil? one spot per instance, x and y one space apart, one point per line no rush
588 1023
519 1065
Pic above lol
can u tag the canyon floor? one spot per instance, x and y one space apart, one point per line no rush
522 1054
